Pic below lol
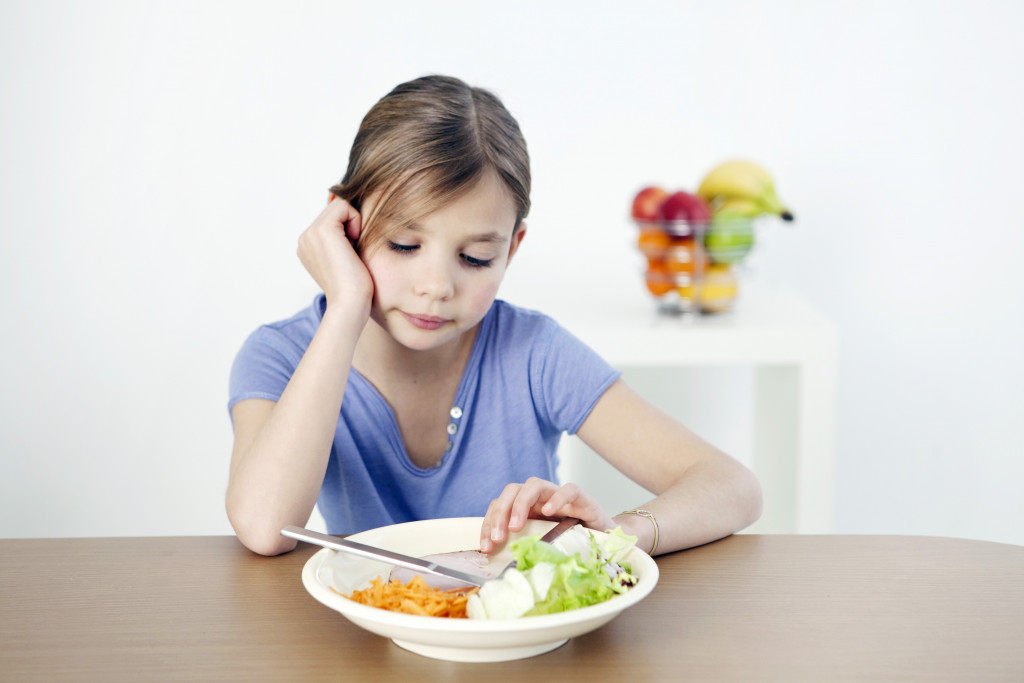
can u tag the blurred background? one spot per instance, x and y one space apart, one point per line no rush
159 161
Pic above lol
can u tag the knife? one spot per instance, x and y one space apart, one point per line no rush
362 550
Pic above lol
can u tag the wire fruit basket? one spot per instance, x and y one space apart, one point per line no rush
690 265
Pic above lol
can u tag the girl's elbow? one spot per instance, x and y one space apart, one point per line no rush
266 544
259 536
752 497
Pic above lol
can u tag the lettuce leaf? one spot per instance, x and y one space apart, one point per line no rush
559 581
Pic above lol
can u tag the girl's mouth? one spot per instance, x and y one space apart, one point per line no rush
424 322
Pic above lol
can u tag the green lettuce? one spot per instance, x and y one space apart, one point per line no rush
572 581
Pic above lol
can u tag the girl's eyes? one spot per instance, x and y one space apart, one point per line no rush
402 248
470 261
477 262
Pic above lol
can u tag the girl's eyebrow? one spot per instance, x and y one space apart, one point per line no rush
491 236
494 237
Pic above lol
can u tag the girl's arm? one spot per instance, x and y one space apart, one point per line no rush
702 494
281 448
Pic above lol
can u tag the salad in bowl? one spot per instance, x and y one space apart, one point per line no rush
557 591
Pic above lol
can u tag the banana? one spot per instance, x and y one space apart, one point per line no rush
742 180
730 208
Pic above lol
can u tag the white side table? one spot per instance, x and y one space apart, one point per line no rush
793 351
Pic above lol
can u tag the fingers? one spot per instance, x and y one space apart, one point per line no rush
351 221
495 524
563 502
327 252
342 213
537 499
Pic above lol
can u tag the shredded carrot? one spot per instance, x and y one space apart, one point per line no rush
415 597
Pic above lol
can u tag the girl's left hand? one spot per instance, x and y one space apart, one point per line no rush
538 499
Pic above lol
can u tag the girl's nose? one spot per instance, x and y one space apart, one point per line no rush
436 281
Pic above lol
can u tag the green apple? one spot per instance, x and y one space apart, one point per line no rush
730 238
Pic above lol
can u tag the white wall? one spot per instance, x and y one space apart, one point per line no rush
160 159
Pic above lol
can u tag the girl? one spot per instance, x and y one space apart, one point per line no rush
406 391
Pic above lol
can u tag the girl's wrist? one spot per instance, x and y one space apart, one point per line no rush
644 526
346 313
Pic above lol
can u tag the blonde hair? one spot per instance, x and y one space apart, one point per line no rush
426 143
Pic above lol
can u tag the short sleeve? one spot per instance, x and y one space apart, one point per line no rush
263 367
568 378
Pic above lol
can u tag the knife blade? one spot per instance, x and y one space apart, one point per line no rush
553 533
368 551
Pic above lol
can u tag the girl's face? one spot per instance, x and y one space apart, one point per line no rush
436 279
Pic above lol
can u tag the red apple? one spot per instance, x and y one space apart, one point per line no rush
646 203
683 206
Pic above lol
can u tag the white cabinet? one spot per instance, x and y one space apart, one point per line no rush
790 353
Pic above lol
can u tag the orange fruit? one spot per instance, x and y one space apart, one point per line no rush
685 256
659 280
653 242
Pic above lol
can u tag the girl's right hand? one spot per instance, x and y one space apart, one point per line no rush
538 499
326 250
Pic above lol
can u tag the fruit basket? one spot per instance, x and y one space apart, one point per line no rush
694 243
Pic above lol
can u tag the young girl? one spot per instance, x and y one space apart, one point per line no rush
407 391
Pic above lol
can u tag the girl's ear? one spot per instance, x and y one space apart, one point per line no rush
517 239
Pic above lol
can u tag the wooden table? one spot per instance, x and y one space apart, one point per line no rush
754 608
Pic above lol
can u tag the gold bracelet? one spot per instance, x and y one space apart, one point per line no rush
640 512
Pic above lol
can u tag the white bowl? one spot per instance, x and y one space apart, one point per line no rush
460 640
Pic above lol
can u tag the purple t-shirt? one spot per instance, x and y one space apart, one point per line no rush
527 381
